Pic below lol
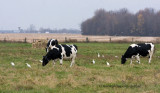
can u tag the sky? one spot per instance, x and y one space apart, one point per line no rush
59 14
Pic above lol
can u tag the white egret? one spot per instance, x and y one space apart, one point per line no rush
40 61
98 55
93 61
107 63
28 65
12 64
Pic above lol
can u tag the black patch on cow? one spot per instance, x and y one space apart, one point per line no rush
54 42
67 49
143 49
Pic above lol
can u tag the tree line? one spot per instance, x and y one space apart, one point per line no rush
123 23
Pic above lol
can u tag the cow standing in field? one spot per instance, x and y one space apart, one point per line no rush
51 43
60 52
137 50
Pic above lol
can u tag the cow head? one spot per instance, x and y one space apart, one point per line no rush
123 60
51 55
45 61
51 42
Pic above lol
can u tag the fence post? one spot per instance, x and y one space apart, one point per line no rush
5 39
110 40
25 40
157 40
33 40
132 40
65 39
87 40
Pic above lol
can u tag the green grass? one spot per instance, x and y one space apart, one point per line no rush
83 77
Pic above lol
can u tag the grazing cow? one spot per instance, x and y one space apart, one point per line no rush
51 43
136 50
60 52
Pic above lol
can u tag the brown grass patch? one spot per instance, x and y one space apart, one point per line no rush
68 82
20 37
39 44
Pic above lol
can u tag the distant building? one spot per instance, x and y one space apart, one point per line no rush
47 32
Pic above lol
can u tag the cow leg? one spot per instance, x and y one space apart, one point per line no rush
61 61
73 61
150 56
54 62
138 59
131 60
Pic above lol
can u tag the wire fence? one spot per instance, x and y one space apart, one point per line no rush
89 39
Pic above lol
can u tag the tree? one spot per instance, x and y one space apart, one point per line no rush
140 24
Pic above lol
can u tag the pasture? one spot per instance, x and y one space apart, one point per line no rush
83 77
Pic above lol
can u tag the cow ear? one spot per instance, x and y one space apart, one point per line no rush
56 42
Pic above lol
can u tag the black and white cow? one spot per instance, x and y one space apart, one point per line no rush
61 52
51 43
136 50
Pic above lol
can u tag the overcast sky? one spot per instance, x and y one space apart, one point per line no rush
61 13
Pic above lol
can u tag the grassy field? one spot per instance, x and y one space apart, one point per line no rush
83 77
